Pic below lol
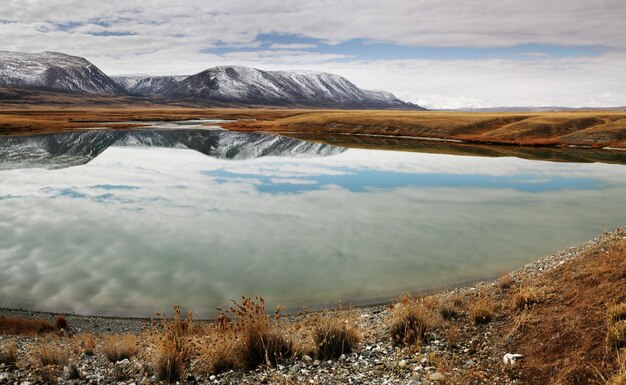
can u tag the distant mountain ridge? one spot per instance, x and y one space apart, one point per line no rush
52 71
217 86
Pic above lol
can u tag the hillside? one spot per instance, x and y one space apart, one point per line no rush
585 128
52 71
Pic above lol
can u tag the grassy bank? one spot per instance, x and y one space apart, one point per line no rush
590 128
596 129
565 314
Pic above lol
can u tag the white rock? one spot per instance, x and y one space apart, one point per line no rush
511 358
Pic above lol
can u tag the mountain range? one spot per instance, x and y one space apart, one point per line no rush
217 86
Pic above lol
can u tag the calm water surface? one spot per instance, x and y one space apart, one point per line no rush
129 223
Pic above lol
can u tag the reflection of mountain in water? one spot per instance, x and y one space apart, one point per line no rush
71 149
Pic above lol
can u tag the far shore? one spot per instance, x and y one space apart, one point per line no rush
595 129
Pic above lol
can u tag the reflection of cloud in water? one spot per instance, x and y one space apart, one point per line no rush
144 248
361 180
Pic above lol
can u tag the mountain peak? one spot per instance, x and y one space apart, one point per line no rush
54 71
221 85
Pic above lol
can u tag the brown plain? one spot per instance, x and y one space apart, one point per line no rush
595 129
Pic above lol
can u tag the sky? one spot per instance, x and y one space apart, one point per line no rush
438 54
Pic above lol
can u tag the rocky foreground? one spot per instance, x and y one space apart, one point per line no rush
549 316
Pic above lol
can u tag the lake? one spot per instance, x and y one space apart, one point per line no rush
128 223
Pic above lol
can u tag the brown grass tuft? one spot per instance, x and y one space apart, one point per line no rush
50 355
616 336
617 312
60 323
260 342
334 337
88 344
120 347
18 326
173 347
505 281
481 311
524 298
8 354
410 321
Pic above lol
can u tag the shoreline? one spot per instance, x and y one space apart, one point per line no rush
560 331
587 129
129 323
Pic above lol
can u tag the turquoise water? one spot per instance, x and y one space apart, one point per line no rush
131 223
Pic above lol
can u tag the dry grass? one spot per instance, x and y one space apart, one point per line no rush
8 354
18 326
524 298
88 344
60 323
482 311
260 341
617 312
505 281
616 336
411 319
47 354
449 312
596 128
541 128
334 337
119 348
173 349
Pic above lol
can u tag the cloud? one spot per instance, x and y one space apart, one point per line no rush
498 53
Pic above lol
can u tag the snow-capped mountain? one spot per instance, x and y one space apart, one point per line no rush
250 86
52 71
147 85
54 151
217 86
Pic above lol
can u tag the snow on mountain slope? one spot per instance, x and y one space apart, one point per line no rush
244 85
54 71
225 85
147 85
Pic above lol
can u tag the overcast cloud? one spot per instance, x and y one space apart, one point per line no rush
439 54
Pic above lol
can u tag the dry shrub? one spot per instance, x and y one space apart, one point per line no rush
452 335
481 311
173 346
449 312
18 326
505 281
260 343
617 312
120 347
223 361
334 337
410 321
60 323
88 344
50 355
8 354
524 298
616 336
